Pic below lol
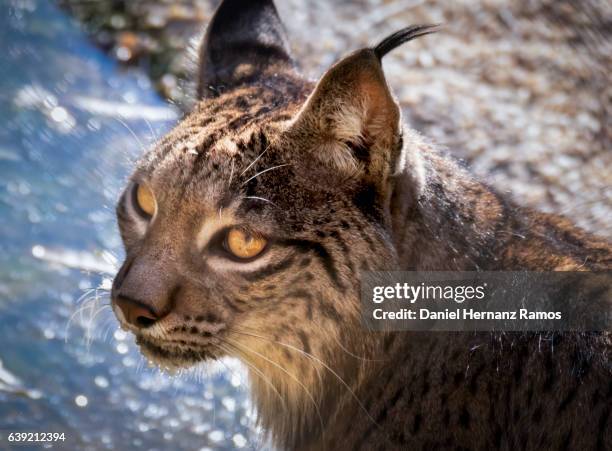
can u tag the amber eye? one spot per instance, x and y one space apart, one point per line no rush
243 244
144 200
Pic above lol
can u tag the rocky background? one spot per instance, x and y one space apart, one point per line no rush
520 90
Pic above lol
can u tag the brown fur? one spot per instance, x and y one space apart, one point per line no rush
327 175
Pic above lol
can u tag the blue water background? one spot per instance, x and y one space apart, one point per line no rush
71 125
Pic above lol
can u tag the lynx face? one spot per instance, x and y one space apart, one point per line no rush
248 224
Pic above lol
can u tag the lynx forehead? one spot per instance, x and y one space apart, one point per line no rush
247 226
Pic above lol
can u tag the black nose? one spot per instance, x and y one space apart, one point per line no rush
136 313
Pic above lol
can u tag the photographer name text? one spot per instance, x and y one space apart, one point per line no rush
462 314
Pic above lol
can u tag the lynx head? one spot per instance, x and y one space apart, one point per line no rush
247 226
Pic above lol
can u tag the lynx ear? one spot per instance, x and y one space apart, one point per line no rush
244 40
351 121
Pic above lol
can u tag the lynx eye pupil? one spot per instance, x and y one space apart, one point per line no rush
144 200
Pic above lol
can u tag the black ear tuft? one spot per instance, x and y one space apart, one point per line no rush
402 36
244 40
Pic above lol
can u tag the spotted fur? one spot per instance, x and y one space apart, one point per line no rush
329 176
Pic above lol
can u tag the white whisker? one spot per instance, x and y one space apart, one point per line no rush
154 136
231 174
129 129
280 367
262 172
258 371
87 301
79 311
87 292
89 333
262 199
364 359
255 160
350 390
